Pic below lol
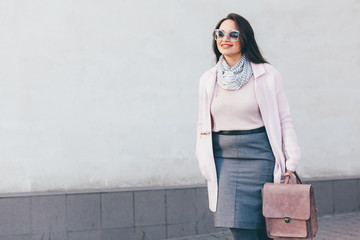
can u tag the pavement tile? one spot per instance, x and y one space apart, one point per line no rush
14 217
180 206
83 212
48 215
346 197
333 227
148 216
117 210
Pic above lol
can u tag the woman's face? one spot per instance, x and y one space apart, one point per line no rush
225 46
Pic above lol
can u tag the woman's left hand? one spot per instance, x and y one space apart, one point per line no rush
288 173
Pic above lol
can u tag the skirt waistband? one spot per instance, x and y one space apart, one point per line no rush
241 132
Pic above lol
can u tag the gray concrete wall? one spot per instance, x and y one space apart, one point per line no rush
137 214
103 94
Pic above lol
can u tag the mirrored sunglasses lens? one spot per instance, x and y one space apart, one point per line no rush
234 36
219 34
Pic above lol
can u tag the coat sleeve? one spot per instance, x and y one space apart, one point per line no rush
289 140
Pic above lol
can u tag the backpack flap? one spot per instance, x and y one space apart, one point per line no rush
286 208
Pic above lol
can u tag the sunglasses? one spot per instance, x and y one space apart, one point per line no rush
233 35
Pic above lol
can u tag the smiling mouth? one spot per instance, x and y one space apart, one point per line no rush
226 45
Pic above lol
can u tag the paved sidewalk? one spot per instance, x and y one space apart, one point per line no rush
334 227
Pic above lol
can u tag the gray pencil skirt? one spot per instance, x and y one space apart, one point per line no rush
243 164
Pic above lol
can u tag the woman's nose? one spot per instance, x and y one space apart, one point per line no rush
226 38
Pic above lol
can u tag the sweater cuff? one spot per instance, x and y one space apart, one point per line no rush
290 166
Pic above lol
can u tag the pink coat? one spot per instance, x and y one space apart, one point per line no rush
276 115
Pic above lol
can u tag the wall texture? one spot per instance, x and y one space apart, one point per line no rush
103 94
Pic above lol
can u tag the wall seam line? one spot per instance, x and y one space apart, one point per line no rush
166 220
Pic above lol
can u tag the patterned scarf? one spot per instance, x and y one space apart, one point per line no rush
235 77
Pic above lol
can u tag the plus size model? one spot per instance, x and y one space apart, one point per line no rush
245 135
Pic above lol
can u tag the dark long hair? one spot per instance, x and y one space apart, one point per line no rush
249 47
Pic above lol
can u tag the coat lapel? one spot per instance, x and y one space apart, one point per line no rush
258 69
210 84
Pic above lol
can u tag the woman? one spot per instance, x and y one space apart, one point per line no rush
245 135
